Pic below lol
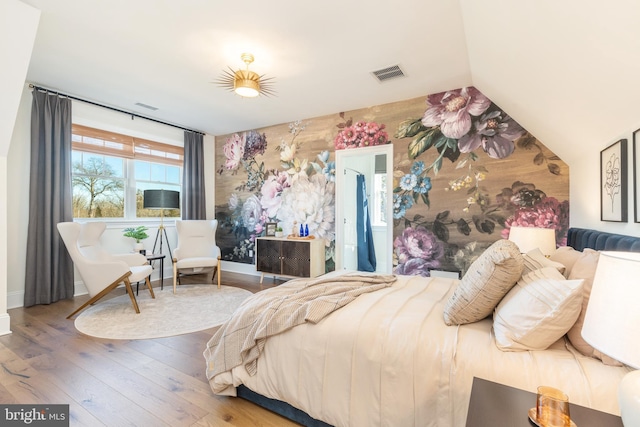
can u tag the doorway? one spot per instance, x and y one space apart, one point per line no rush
376 165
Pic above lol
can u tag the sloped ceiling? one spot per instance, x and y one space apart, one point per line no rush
568 71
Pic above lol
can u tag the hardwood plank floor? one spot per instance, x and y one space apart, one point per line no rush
156 382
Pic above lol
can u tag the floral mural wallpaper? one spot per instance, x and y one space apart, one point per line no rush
464 173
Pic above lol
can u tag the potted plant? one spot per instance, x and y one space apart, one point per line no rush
138 233
278 231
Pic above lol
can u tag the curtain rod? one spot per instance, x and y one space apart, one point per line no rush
352 170
32 86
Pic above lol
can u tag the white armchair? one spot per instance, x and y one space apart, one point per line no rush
197 251
100 271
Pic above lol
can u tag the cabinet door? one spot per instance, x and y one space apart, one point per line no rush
268 256
296 259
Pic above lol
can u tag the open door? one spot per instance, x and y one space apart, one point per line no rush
376 165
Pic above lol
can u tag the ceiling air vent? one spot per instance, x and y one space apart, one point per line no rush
388 73
148 107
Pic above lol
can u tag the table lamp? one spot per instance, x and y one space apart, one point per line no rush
612 320
529 238
161 199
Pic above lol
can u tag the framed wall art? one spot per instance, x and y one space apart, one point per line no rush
636 175
270 228
613 182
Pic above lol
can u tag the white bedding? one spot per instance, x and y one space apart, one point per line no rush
388 359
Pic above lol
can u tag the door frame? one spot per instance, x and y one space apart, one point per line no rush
342 160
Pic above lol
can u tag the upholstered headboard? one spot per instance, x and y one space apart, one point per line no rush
581 238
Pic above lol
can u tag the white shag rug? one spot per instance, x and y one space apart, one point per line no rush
193 308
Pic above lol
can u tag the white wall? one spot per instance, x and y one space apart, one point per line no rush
18 27
18 175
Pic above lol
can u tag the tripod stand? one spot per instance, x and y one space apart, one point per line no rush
161 199
162 232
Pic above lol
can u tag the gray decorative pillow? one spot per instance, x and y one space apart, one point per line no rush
488 279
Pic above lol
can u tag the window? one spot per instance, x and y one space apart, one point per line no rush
110 172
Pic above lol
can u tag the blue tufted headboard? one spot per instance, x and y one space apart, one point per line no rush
580 238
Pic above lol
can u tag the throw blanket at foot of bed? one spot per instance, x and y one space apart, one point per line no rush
241 339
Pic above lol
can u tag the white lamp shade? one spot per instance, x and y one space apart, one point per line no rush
629 399
529 238
612 320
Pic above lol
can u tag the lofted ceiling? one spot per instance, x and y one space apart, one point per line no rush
567 71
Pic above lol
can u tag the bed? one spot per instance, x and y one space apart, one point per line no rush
387 358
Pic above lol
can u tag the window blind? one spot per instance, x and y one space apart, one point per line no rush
108 143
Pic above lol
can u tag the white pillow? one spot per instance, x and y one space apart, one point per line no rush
537 311
566 256
535 260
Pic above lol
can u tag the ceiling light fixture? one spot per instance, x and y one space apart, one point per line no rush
246 83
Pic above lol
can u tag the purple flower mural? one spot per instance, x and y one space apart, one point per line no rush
466 128
456 182
417 251
495 132
300 192
452 110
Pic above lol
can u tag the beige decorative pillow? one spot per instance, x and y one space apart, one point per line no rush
585 268
566 256
535 260
488 279
537 311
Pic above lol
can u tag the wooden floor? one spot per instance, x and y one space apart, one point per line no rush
155 382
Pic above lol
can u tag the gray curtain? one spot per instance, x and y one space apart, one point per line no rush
193 192
49 270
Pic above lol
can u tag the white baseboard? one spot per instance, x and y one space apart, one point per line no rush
238 267
16 299
5 324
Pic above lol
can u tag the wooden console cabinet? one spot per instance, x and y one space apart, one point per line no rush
280 256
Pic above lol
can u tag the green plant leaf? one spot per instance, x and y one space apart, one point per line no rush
409 128
437 165
422 142
425 199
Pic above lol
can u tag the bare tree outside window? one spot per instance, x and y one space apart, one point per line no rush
98 191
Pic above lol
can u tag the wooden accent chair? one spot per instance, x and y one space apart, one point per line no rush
100 271
196 251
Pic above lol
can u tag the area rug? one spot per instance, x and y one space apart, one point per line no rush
193 308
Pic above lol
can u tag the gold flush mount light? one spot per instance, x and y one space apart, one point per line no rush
246 83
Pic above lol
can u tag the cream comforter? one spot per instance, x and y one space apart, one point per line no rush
388 359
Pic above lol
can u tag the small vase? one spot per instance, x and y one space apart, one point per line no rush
138 247
278 233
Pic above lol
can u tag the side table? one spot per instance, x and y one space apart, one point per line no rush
493 404
150 259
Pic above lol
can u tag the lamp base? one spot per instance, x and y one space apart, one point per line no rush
629 399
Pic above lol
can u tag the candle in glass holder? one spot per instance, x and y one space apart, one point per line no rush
552 408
